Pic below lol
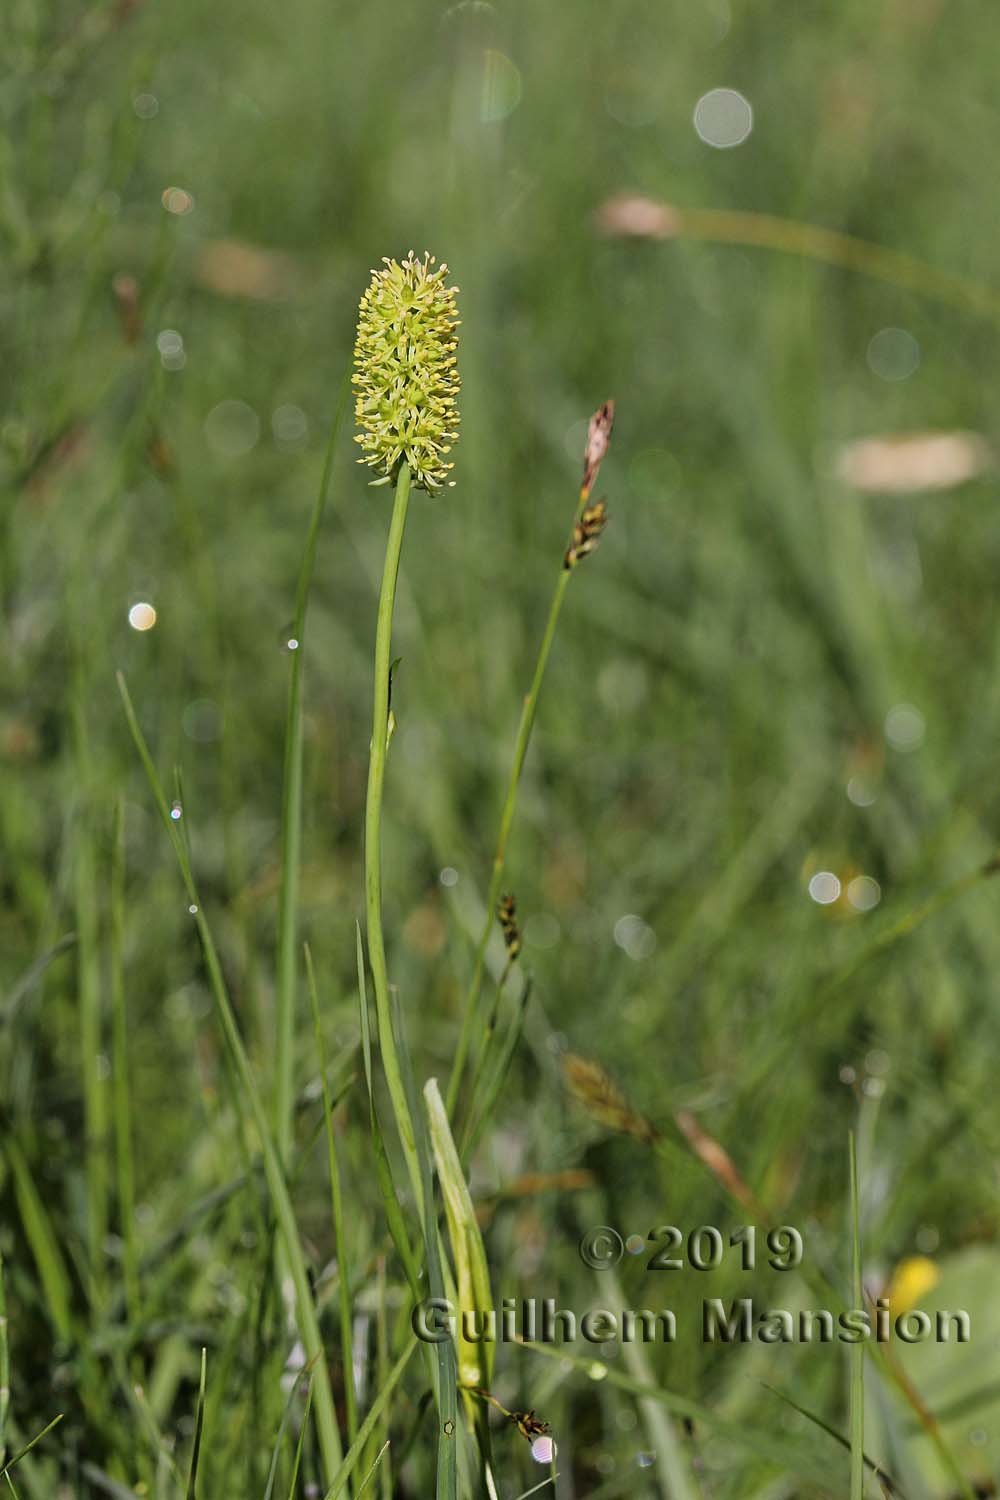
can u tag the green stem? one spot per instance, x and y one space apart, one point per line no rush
291 818
326 1415
373 835
506 821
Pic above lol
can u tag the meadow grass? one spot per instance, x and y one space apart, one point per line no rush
240 1133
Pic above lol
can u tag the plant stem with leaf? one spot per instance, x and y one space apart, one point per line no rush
373 834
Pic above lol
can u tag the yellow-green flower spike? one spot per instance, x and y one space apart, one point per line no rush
405 377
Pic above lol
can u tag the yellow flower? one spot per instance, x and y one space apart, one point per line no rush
405 377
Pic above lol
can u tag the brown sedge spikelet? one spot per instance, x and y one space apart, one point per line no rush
586 533
603 1100
507 917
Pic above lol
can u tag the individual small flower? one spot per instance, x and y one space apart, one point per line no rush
405 377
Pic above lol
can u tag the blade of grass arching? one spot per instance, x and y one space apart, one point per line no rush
337 1208
888 1484
383 1172
549 1479
291 811
857 1354
326 1416
303 1429
42 1241
356 1451
371 1472
121 1107
815 242
599 435
199 1423
23 986
16 1458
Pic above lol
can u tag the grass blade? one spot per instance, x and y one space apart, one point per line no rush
884 1479
199 1422
291 813
120 1102
16 1458
346 1343
371 1472
27 981
42 1239
326 1416
4 1364
303 1429
286 1417
357 1448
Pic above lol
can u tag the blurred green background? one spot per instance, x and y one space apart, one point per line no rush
768 734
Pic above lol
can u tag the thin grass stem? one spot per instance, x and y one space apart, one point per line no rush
373 835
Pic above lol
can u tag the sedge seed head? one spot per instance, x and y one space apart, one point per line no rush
405 377
603 1100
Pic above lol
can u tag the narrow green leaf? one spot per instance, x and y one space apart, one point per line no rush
199 1422
16 1459
326 1415
475 1361
42 1240
337 1210
357 1448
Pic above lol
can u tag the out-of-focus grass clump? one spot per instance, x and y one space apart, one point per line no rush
760 798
